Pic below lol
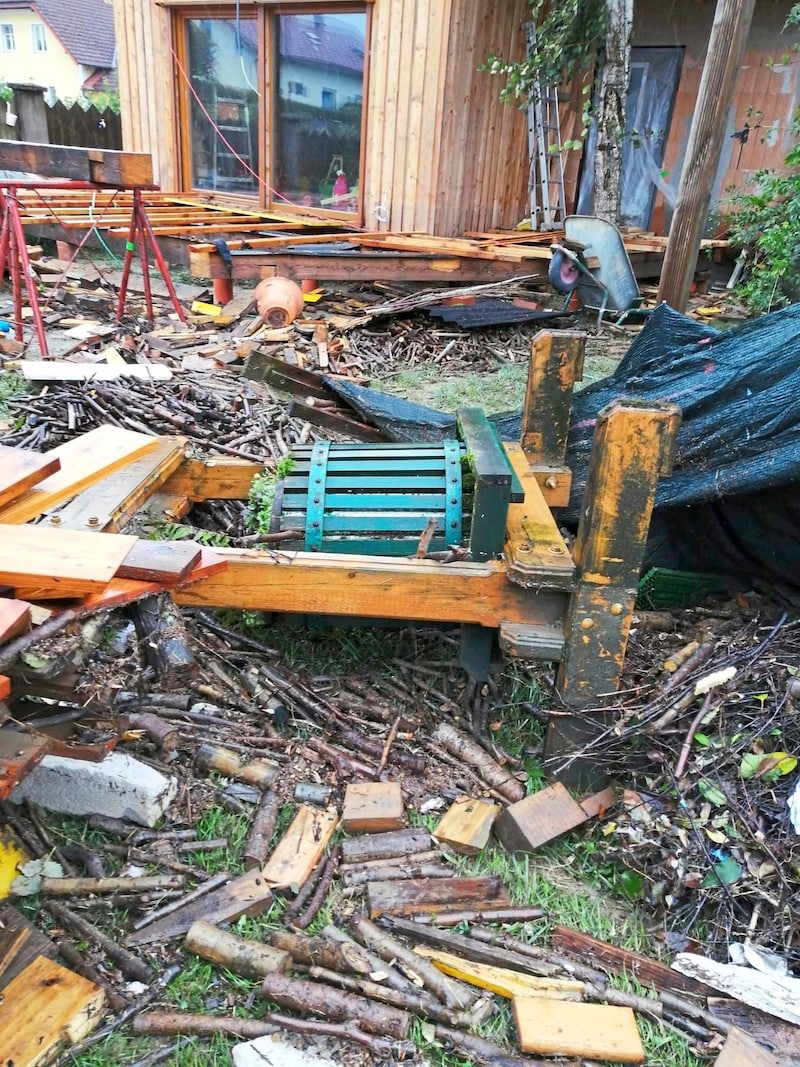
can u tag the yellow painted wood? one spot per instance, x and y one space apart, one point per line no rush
299 850
376 587
45 563
43 1008
501 980
535 550
597 1031
466 825
84 460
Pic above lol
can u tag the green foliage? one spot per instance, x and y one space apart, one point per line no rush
569 36
262 495
6 92
179 531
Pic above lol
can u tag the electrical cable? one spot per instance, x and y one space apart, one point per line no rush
96 232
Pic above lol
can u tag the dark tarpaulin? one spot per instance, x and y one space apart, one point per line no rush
732 504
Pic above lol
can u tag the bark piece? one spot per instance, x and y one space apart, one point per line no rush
333 1004
596 1031
539 818
775 994
458 744
248 958
162 633
261 830
372 807
434 895
466 825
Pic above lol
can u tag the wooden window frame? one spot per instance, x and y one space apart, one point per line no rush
184 10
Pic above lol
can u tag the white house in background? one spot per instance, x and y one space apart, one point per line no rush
67 46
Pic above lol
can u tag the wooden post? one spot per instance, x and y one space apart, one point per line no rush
725 48
633 447
556 364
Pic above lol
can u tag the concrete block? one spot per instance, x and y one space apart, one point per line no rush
119 786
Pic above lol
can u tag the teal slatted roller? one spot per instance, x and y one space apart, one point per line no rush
375 499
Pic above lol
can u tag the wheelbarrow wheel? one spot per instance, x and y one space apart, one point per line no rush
563 274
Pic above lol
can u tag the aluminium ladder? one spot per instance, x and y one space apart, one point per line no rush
546 173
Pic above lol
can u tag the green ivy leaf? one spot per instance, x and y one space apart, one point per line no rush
726 872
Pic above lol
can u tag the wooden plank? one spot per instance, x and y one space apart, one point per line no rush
214 479
466 825
252 892
15 618
20 470
19 753
597 1031
84 461
44 1007
538 818
329 584
35 370
299 850
500 980
775 994
372 807
434 895
740 1050
101 165
111 502
45 563
618 960
12 924
535 551
167 562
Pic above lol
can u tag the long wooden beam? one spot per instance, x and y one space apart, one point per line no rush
378 587
101 165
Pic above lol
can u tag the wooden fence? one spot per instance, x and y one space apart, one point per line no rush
71 125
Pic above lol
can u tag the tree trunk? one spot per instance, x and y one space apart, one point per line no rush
610 116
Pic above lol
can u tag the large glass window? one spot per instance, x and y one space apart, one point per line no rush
223 103
317 136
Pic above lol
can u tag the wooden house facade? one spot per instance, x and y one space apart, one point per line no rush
376 112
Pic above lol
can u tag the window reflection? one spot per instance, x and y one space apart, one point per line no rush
320 61
223 67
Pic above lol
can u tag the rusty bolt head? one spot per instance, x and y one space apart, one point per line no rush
616 609
587 624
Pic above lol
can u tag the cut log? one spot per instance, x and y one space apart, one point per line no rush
21 470
539 818
162 633
361 875
500 980
462 746
145 883
323 952
333 1004
466 825
259 836
596 1031
385 846
44 1007
434 895
258 772
372 807
248 958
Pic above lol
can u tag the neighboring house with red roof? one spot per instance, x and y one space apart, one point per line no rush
66 46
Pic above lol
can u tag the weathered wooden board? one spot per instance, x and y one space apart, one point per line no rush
15 618
773 993
167 562
111 169
84 461
20 470
299 850
538 818
43 562
252 892
597 1031
44 1007
780 1039
372 807
740 1050
501 980
434 894
108 504
466 825
12 924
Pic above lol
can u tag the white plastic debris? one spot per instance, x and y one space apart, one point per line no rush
794 807
711 681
